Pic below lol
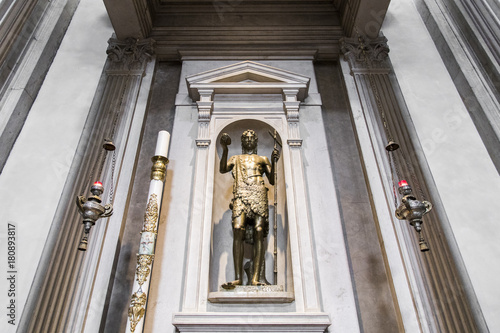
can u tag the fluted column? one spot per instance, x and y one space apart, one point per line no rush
75 284
422 283
134 61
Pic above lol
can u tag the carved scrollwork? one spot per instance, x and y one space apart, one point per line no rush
364 53
130 53
137 309
151 215
143 269
204 113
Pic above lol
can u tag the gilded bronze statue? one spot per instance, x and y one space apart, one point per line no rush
249 205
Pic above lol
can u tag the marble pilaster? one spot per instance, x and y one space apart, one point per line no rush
117 111
418 278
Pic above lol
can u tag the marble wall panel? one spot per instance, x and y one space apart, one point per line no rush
376 309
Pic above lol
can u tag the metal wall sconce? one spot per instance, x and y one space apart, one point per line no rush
410 209
91 208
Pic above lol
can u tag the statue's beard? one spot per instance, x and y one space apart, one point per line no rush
249 150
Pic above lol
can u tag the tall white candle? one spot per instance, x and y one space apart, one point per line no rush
162 143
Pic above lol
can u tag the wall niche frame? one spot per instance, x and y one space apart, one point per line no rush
221 260
249 92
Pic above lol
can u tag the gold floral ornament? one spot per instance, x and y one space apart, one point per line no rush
137 309
151 216
143 269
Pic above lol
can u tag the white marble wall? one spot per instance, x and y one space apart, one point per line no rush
464 174
34 176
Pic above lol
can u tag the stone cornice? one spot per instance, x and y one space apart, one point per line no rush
362 16
130 18
284 29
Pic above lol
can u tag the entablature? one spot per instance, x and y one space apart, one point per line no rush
286 29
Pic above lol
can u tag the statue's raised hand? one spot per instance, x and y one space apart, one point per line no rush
225 140
275 155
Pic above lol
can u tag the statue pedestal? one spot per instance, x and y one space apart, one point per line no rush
251 322
252 294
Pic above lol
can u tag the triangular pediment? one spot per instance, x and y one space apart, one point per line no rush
247 77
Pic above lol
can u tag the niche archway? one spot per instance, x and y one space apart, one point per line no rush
221 259
232 99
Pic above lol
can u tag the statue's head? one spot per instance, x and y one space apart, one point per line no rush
249 142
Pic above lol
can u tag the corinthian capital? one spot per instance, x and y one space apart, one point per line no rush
363 53
131 53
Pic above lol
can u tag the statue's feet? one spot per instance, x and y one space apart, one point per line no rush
257 283
265 282
232 284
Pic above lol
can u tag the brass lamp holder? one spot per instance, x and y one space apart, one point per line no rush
91 210
412 210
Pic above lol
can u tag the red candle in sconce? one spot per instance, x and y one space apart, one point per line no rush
403 183
98 185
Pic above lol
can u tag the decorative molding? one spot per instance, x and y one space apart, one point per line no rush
291 105
295 143
251 78
130 53
251 322
366 55
143 269
151 215
292 111
247 77
137 309
252 294
215 31
201 143
205 104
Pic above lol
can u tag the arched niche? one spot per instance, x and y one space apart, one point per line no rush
234 98
221 257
